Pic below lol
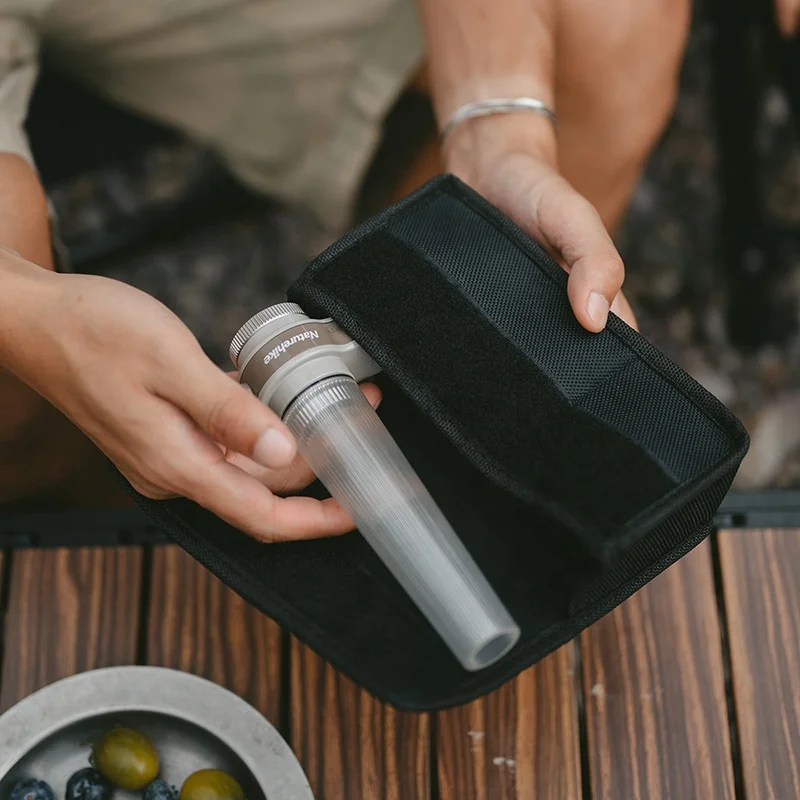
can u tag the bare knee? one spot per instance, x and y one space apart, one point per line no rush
618 66
646 70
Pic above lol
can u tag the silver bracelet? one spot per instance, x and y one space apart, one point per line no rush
496 105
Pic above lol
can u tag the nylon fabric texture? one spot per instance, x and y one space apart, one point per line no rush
575 467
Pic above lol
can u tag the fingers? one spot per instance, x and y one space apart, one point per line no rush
177 458
230 415
246 503
788 14
573 227
231 453
280 481
237 486
372 393
298 475
298 518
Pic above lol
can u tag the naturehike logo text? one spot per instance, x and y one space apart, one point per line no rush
278 351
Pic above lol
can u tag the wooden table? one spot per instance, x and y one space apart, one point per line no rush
689 691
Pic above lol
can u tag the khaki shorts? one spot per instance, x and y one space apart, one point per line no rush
291 93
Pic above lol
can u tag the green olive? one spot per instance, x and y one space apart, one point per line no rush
126 758
211 784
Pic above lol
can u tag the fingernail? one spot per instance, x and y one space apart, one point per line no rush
597 308
274 448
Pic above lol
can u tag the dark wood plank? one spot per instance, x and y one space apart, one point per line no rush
761 580
521 741
198 625
655 697
351 746
68 611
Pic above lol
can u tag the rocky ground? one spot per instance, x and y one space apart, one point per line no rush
676 274
217 276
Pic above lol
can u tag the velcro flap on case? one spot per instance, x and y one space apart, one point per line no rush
470 319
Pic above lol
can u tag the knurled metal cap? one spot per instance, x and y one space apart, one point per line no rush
258 321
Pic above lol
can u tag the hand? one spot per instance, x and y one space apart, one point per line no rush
298 474
788 13
510 160
127 372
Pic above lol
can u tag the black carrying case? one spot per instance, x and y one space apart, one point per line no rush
574 466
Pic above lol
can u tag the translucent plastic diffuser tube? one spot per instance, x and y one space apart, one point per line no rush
345 443
307 371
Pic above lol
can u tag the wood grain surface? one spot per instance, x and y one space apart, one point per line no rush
68 611
198 625
652 677
656 714
521 741
761 580
351 746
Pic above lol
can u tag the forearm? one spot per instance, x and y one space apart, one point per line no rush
24 219
478 49
25 229
483 49
24 291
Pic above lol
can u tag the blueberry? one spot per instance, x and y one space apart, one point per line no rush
160 790
88 784
31 789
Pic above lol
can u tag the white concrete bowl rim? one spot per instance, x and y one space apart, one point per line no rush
160 691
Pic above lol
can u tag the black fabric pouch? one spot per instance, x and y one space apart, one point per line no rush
574 466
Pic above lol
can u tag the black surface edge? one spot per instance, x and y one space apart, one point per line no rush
777 508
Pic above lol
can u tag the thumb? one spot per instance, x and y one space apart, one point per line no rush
298 475
572 226
231 415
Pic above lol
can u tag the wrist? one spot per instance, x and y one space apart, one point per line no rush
476 147
476 89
